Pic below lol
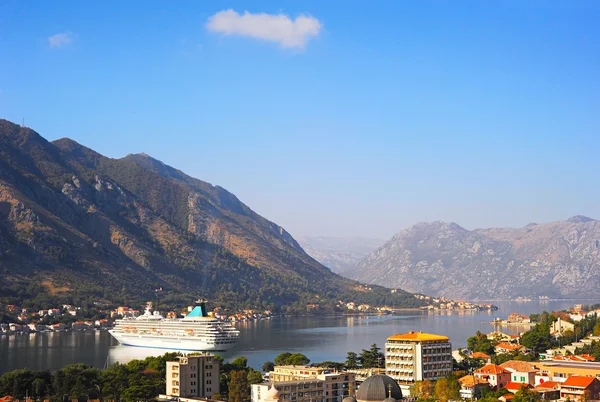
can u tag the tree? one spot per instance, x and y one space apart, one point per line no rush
526 395
239 388
480 343
289 359
597 329
281 359
423 389
254 376
240 363
446 389
352 360
372 357
268 366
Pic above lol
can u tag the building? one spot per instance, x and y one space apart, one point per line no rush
520 371
193 376
580 388
305 390
516 318
471 387
417 356
378 388
560 326
495 375
335 385
559 371
505 347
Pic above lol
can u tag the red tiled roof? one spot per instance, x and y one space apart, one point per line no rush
479 355
491 369
508 396
516 386
508 346
518 365
578 381
548 385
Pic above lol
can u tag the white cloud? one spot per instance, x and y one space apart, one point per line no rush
274 28
60 39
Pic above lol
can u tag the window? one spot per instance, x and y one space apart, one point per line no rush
522 379
208 382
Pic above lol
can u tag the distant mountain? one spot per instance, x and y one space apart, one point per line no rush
560 259
77 225
340 254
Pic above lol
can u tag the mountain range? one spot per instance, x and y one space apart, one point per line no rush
76 225
340 254
556 259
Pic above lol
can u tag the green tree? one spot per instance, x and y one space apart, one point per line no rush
268 366
281 359
352 360
239 388
372 357
423 389
596 331
254 376
240 363
446 389
526 395
480 343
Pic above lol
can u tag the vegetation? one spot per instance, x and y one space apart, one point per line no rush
291 359
138 380
443 390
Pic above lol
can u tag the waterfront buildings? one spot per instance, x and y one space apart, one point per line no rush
417 356
335 386
193 376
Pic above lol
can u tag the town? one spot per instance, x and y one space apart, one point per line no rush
556 359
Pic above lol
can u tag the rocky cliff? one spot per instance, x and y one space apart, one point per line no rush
75 225
557 259
340 254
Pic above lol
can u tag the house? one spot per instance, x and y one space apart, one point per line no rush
548 390
495 375
104 323
560 326
498 336
59 327
79 326
505 347
507 397
520 371
580 388
516 318
514 387
472 387
53 312
482 356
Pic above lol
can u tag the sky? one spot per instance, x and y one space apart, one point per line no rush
330 118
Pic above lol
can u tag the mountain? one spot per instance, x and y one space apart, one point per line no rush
340 254
557 259
76 225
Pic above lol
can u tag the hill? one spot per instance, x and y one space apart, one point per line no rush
78 226
340 254
557 259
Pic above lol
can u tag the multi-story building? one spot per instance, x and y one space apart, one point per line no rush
559 371
336 385
580 388
193 376
417 356
305 390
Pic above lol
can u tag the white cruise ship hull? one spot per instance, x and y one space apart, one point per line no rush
169 342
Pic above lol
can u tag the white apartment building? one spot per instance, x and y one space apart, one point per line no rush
193 376
417 356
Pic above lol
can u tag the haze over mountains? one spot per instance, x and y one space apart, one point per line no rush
75 224
340 254
556 259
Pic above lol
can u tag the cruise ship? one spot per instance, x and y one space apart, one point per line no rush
196 332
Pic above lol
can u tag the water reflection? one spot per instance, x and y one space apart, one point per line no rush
320 338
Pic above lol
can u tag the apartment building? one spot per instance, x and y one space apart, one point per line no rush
417 356
305 390
336 385
193 376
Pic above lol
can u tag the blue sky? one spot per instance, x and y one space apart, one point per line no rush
362 118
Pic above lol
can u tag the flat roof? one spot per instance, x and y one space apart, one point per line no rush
569 364
417 336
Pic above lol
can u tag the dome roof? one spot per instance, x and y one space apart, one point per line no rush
349 399
389 399
375 388
272 394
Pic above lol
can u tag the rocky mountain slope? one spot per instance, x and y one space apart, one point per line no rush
340 254
77 225
557 259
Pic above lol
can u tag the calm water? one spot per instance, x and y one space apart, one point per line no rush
320 338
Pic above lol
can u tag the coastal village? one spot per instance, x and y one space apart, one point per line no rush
497 366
